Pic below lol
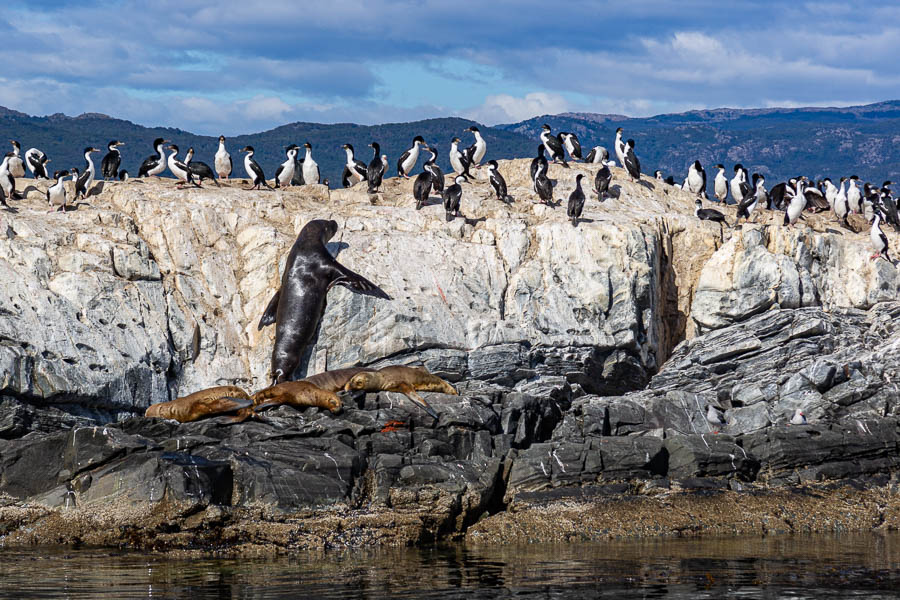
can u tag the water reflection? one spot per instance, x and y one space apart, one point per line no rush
850 566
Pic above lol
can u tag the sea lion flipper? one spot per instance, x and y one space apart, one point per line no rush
356 283
268 316
410 392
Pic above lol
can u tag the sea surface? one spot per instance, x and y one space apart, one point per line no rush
839 566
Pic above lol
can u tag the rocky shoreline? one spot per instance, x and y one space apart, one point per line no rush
585 359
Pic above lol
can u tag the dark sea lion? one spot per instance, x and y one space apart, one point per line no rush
406 380
205 403
297 307
298 394
335 381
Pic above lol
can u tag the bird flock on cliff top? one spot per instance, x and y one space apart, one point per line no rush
749 193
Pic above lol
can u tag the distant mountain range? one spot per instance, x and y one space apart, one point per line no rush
778 142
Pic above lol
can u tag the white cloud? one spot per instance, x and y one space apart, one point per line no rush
503 108
261 108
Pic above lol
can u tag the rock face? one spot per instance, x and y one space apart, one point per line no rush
585 357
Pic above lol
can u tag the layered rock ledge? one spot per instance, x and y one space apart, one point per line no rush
585 357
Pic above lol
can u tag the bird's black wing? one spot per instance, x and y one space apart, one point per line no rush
278 173
345 177
149 163
360 167
576 147
400 160
437 178
257 171
632 164
110 164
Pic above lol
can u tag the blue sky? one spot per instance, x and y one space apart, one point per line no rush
243 66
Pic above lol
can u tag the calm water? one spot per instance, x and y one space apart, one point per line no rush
853 566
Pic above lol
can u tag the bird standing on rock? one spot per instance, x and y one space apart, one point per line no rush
720 186
16 164
254 171
156 164
602 180
200 170
354 169
571 144
459 160
632 164
437 176
543 187
285 171
86 179
597 155
452 197
375 170
222 160
179 169
715 418
708 214
422 187
498 182
553 145
696 179
36 161
56 193
475 153
576 201
407 161
109 167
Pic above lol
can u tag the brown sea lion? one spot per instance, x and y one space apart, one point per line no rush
298 394
205 403
335 381
298 305
406 380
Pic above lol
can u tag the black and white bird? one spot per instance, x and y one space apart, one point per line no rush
285 171
619 147
16 164
459 159
553 145
889 205
7 181
658 175
720 185
576 201
36 161
695 182
740 183
407 161
597 155
437 176
841 204
632 164
571 144
156 164
877 237
475 153
86 179
180 170
254 171
537 163
498 182
355 169
222 160
797 204
56 193
708 214
854 196
375 170
109 166
200 170
311 175
452 198
543 187
123 175
422 187
602 180
748 202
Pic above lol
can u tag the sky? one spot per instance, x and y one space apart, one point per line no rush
232 67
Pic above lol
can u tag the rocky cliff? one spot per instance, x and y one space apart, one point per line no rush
583 354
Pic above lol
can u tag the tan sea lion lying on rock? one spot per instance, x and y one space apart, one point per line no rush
335 381
205 403
298 394
406 380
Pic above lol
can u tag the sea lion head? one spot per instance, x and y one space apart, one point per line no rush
333 403
361 381
319 229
